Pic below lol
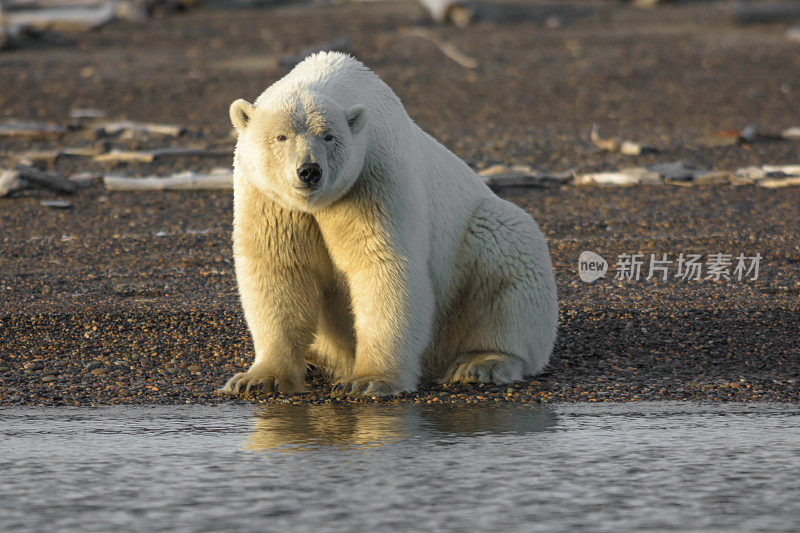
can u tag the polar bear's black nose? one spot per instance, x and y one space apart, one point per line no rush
309 173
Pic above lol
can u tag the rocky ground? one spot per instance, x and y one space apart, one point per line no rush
130 297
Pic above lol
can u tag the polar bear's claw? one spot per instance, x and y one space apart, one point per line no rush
484 367
246 382
370 387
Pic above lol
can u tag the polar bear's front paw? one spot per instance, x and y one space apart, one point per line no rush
370 386
484 367
257 381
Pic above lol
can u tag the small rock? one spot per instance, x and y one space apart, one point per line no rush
100 371
194 368
56 204
34 365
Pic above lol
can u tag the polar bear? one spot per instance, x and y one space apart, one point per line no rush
365 247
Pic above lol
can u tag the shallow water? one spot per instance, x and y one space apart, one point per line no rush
606 467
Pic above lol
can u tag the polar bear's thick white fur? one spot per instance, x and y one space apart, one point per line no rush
364 246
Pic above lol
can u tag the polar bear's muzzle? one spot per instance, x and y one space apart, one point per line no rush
309 174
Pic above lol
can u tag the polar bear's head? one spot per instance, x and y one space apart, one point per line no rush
304 152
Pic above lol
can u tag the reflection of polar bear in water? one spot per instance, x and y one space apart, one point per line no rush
366 247
296 427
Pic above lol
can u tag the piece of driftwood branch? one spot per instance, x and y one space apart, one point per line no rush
68 18
616 145
462 13
114 128
148 156
340 44
30 130
752 13
497 176
181 181
791 134
51 156
46 179
125 156
776 183
625 177
11 181
80 113
527 179
448 49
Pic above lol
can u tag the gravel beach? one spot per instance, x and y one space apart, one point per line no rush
130 297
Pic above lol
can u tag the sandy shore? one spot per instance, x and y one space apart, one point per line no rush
131 297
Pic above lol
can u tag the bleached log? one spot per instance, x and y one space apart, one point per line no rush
622 178
182 181
124 156
775 183
11 181
148 156
791 133
30 130
70 18
113 128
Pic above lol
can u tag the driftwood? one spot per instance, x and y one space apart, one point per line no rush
617 145
448 49
761 13
30 130
791 134
340 44
80 113
182 181
125 156
148 156
46 179
775 183
625 177
70 18
114 128
462 13
521 179
51 156
11 181
497 176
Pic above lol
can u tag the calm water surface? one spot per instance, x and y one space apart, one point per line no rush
629 467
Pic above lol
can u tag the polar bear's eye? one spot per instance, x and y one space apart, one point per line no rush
328 137
281 138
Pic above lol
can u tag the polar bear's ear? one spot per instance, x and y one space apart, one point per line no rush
356 118
241 111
